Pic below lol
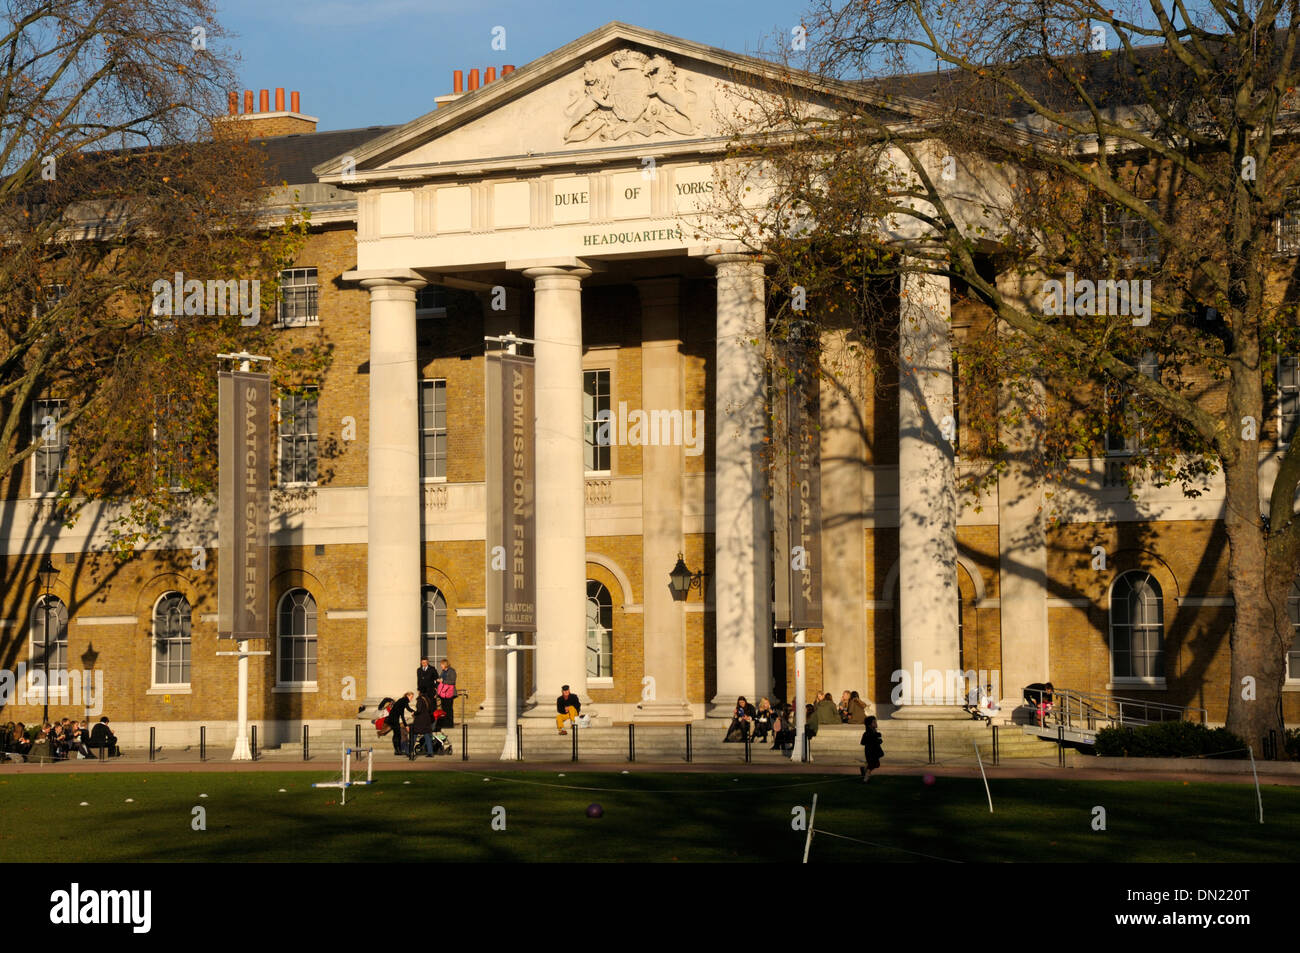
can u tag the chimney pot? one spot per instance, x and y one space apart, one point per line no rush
279 99
473 80
458 81
489 75
232 101
248 101
293 101
507 70
264 101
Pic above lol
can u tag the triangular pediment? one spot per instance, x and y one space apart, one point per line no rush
617 92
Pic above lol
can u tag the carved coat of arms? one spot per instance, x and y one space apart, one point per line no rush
631 95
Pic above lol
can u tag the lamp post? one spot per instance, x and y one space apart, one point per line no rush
46 574
682 580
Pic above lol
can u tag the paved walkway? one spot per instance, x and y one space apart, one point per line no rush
1078 768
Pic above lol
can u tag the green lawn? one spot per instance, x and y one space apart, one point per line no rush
446 815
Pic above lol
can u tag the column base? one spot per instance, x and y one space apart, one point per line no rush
674 713
721 707
490 712
930 713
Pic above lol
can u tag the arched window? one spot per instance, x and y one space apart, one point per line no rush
171 640
600 631
49 634
1137 627
296 628
1293 655
433 645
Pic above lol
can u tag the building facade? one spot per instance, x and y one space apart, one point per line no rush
567 202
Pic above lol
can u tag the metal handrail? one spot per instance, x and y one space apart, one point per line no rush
1090 710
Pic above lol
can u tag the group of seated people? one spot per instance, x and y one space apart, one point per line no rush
755 724
59 740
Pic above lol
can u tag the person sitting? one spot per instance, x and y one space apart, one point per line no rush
78 735
843 706
742 717
567 708
783 728
763 720
857 710
825 712
102 738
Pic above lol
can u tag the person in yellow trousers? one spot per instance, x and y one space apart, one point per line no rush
567 708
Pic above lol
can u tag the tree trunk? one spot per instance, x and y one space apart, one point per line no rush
1258 649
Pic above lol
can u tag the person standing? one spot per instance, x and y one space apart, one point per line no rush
426 679
422 726
447 692
871 749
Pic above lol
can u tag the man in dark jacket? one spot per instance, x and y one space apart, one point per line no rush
101 736
397 721
426 678
422 725
567 707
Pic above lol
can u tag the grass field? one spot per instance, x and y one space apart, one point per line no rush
446 815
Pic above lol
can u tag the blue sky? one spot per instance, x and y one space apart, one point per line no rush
377 62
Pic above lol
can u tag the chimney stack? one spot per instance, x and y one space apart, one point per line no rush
279 99
473 80
248 102
232 103
458 82
262 122
293 102
489 75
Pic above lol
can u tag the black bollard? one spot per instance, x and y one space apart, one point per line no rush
631 742
203 742
306 744
930 741
464 741
151 740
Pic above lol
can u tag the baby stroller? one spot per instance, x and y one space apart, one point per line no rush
981 705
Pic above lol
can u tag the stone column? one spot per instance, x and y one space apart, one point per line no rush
662 389
492 710
395 557
927 500
742 571
1022 541
844 455
561 656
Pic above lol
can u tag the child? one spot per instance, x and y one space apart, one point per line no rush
871 749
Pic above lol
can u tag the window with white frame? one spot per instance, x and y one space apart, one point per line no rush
1129 439
1293 653
596 423
1130 235
48 628
296 636
298 298
433 430
1288 395
433 641
1137 628
298 434
49 463
171 641
600 631
1286 227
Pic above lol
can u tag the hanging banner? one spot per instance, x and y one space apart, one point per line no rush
244 506
796 497
511 518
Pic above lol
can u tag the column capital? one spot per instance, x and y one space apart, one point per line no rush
728 253
386 278
554 267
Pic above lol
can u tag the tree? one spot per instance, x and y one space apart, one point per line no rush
1066 138
117 183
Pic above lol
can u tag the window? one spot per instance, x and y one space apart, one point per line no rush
433 644
431 302
173 442
595 420
1129 438
1288 394
51 457
1293 653
171 640
1286 227
296 628
49 639
298 295
1130 235
433 430
1137 628
600 631
298 438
